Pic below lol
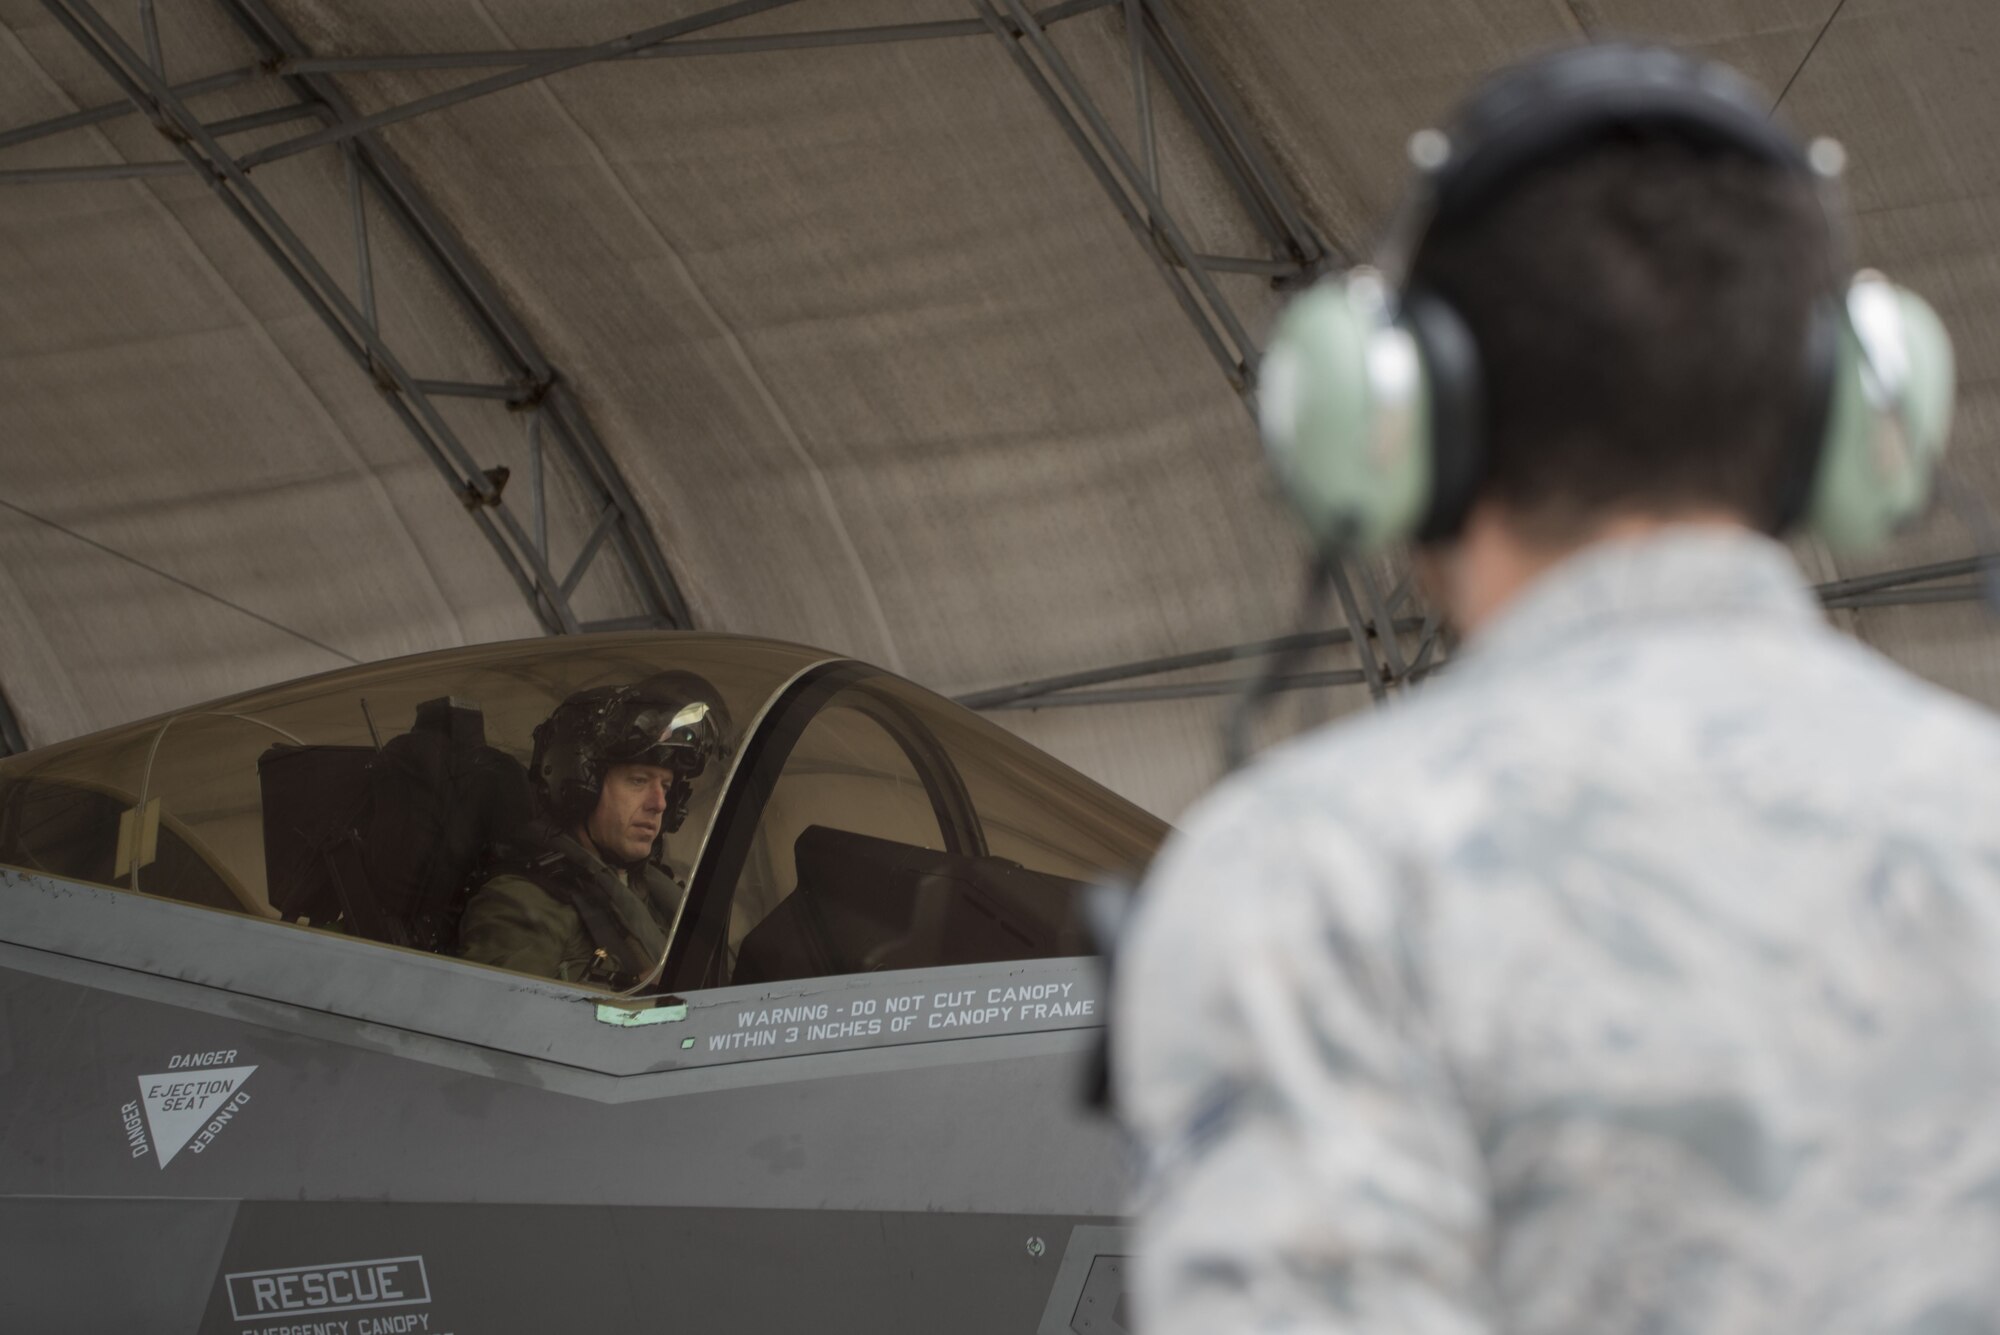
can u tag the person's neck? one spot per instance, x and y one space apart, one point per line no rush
623 870
1496 560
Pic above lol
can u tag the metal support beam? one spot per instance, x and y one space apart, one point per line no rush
617 623
521 396
1895 579
1240 149
691 46
112 111
1128 178
364 266
1430 642
108 171
1910 586
598 533
1133 185
1191 690
300 267
12 740
257 120
1956 593
568 427
151 26
537 68
529 65
1378 612
295 66
1405 589
125 171
538 481
1371 670
353 327
1041 688
1273 269
680 48
1231 366
1135 31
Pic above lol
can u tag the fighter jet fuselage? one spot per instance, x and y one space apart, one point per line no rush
847 1098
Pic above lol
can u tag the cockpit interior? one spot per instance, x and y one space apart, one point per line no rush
855 823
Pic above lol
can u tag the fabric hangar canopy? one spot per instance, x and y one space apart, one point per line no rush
918 330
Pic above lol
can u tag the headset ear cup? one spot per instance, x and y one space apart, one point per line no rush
1343 404
1889 419
1457 389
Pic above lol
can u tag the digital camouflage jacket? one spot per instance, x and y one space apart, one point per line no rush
1642 974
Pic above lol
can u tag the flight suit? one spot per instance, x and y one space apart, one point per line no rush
1639 975
525 918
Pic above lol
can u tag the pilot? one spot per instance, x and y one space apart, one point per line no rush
588 899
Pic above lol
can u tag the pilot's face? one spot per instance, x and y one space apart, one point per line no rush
629 811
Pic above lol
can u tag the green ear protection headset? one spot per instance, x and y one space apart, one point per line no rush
1370 398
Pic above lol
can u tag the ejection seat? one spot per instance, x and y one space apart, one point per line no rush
385 843
863 904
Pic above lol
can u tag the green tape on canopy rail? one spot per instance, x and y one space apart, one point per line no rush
619 1015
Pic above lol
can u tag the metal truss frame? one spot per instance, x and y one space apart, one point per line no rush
523 65
1164 67
556 423
1975 579
559 433
1069 688
293 60
1158 51
1295 254
1914 586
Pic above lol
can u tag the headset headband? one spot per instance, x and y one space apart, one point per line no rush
1561 103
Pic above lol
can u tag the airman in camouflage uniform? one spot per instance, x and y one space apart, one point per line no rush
1639 975
1643 975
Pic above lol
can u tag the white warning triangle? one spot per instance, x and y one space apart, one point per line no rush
180 1103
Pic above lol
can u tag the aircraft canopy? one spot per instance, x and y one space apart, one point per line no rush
920 833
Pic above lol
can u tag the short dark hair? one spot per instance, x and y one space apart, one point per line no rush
1640 309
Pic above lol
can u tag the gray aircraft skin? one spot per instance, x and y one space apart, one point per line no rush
217 1121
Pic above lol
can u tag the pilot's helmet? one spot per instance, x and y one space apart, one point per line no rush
674 720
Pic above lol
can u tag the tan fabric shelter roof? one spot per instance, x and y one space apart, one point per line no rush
874 353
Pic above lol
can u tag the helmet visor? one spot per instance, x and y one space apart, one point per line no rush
684 741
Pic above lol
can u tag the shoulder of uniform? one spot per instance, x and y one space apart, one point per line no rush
503 883
526 862
558 876
509 907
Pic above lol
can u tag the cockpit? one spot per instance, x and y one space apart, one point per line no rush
850 821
